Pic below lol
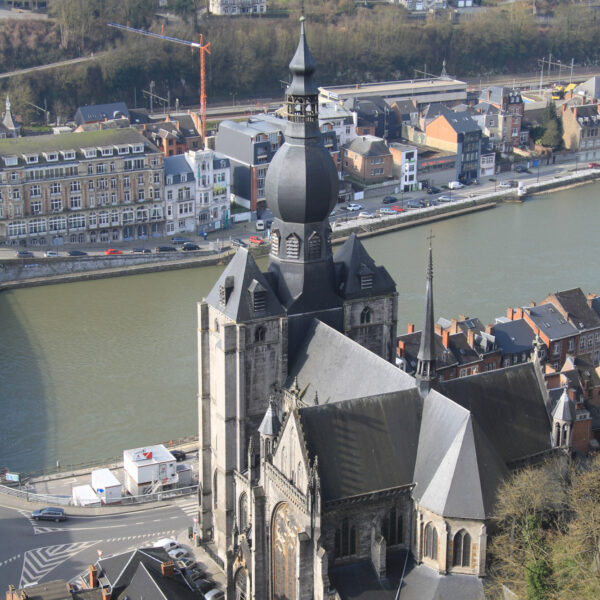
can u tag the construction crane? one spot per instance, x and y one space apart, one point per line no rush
204 49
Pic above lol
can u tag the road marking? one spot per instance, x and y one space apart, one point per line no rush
39 562
9 560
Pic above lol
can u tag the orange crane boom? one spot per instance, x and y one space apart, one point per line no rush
204 49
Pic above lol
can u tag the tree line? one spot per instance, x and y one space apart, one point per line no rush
249 56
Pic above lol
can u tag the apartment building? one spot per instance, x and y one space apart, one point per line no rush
237 7
74 188
581 130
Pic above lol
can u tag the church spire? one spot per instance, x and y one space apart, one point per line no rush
426 374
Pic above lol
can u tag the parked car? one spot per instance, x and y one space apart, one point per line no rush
178 455
140 251
594 165
23 254
260 225
254 239
190 246
521 169
165 249
112 251
455 185
51 253
398 209
365 214
178 553
444 198
433 190
49 514
414 204
186 563
202 584
238 242
180 240
354 207
390 199
504 184
214 595
387 211
166 544
76 253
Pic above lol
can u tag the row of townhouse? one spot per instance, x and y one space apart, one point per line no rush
565 324
98 187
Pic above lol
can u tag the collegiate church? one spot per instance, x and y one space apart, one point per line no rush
326 471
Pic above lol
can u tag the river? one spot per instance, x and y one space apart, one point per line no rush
92 368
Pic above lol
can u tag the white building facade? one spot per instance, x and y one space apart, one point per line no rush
237 7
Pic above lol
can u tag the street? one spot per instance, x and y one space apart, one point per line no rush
35 551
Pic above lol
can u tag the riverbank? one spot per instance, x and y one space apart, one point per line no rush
37 272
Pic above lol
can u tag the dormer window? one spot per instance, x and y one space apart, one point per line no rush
225 291
31 159
107 151
51 156
137 148
258 297
89 152
68 154
292 246
11 161
122 149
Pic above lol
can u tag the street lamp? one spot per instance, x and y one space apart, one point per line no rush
233 95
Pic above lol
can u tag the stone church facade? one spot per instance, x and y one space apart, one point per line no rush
325 471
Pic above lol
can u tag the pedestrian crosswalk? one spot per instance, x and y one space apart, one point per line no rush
39 562
189 507
37 529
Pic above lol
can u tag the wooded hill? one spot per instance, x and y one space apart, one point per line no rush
249 56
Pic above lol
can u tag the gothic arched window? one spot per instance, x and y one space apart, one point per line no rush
259 334
346 540
243 511
365 315
241 585
430 541
391 527
461 549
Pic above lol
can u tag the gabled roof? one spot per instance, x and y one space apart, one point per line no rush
364 373
99 112
368 145
149 583
510 407
514 336
364 445
579 313
351 260
423 583
241 273
550 321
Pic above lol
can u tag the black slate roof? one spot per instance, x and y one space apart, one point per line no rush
574 303
350 261
550 321
148 583
368 145
243 273
514 336
364 445
100 112
317 367
510 407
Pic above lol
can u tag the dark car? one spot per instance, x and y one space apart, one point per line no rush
180 240
415 204
433 190
23 254
165 249
178 455
521 169
190 246
140 251
49 514
76 253
238 242
389 200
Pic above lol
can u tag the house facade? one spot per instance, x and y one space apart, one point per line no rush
368 159
91 187
237 7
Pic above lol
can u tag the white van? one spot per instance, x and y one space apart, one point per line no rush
260 225
455 185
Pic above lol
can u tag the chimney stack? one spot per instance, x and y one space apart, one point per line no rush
590 297
106 594
445 338
93 576
471 338
438 329
510 313
531 303
166 570
519 313
400 349
489 328
411 328
454 326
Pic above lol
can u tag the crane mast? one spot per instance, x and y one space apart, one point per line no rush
202 47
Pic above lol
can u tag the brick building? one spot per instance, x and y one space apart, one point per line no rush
368 159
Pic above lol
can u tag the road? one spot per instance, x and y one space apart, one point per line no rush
62 63
36 551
